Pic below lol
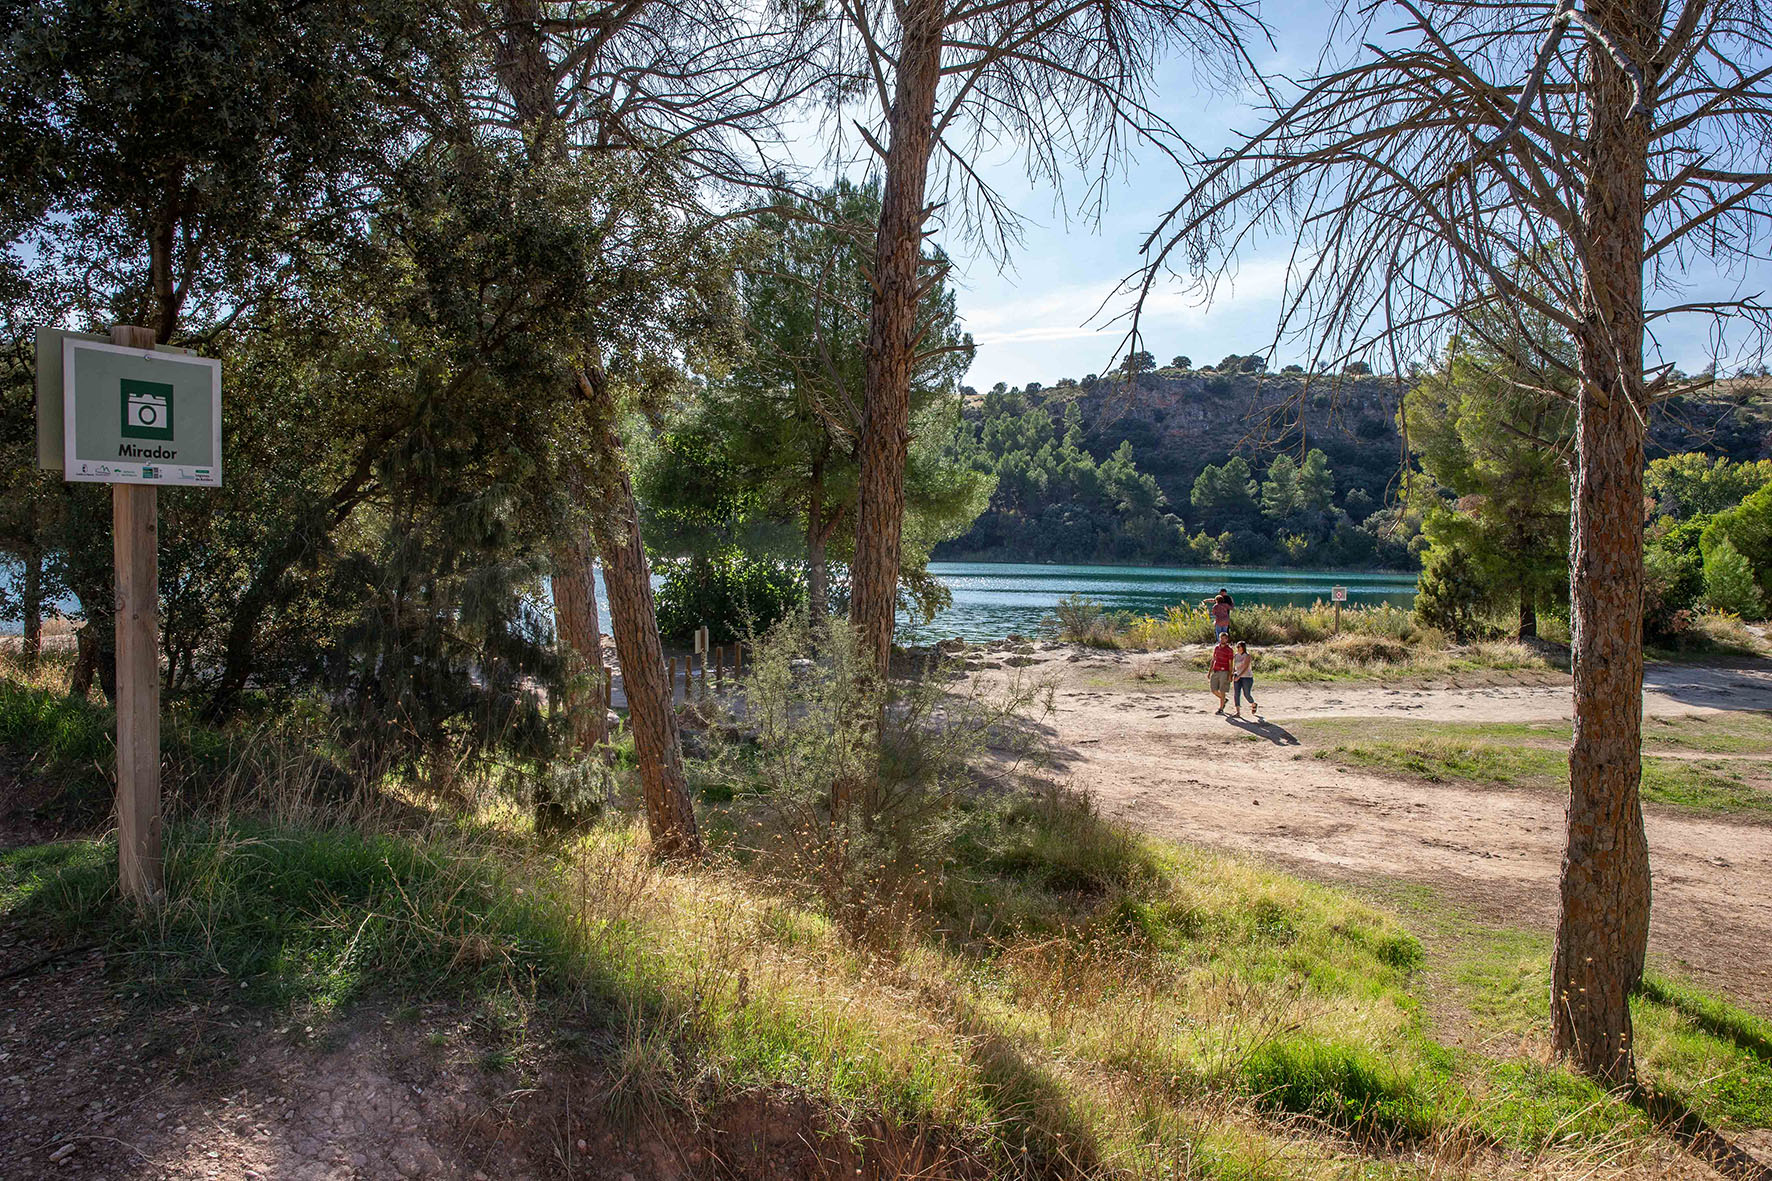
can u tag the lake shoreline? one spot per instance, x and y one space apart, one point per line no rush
993 600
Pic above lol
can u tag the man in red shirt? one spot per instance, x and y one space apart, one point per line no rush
1220 676
1220 608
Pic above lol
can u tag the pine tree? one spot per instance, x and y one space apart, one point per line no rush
1729 581
1316 483
1280 492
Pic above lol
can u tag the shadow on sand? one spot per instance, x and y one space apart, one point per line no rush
1278 735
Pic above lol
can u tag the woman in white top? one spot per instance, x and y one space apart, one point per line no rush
1243 669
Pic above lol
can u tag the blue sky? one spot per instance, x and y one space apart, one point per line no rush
1037 319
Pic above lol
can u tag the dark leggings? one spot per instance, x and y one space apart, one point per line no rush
1245 688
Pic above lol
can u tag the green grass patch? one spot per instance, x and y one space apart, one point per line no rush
1346 1086
1534 755
304 919
71 743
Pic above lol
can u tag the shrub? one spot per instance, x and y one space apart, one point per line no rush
1729 581
1673 582
859 782
731 593
1079 620
1447 595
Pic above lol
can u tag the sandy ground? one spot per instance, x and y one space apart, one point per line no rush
1160 760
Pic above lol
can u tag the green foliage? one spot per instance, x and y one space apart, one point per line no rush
1280 495
437 664
1673 572
1729 584
1054 499
1080 620
1748 529
731 593
1224 494
1316 483
1173 505
1448 594
1493 440
1690 485
764 457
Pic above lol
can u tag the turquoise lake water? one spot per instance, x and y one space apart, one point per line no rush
995 599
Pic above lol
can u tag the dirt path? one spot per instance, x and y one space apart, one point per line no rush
1162 761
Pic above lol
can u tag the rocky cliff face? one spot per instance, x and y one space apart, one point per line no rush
1220 413
1178 421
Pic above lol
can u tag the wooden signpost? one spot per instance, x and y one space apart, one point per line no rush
132 414
1339 596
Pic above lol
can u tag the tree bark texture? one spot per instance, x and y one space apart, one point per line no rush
575 620
1603 923
1528 614
615 525
892 331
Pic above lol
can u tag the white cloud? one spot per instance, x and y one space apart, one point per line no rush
1085 311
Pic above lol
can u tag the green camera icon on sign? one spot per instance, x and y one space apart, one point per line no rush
147 409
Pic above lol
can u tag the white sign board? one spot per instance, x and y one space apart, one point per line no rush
1338 595
139 416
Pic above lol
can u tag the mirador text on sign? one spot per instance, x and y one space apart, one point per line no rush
139 416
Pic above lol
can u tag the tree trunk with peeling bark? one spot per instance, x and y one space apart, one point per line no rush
892 332
615 525
1603 923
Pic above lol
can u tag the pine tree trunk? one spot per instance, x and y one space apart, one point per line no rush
1603 925
575 620
892 332
615 524
1528 614
32 596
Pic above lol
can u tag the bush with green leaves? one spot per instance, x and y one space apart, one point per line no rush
1449 596
732 594
1748 528
1729 581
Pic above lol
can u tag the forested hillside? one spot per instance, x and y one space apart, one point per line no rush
1230 464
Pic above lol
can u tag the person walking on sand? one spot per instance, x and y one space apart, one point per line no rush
1243 675
1219 678
1220 607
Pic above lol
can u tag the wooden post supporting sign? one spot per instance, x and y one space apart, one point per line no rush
135 548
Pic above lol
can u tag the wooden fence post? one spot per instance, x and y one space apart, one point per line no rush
720 667
135 548
737 659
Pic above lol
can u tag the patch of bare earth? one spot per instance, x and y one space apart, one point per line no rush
95 1085
1158 758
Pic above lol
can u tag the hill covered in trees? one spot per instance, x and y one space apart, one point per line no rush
1230 464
